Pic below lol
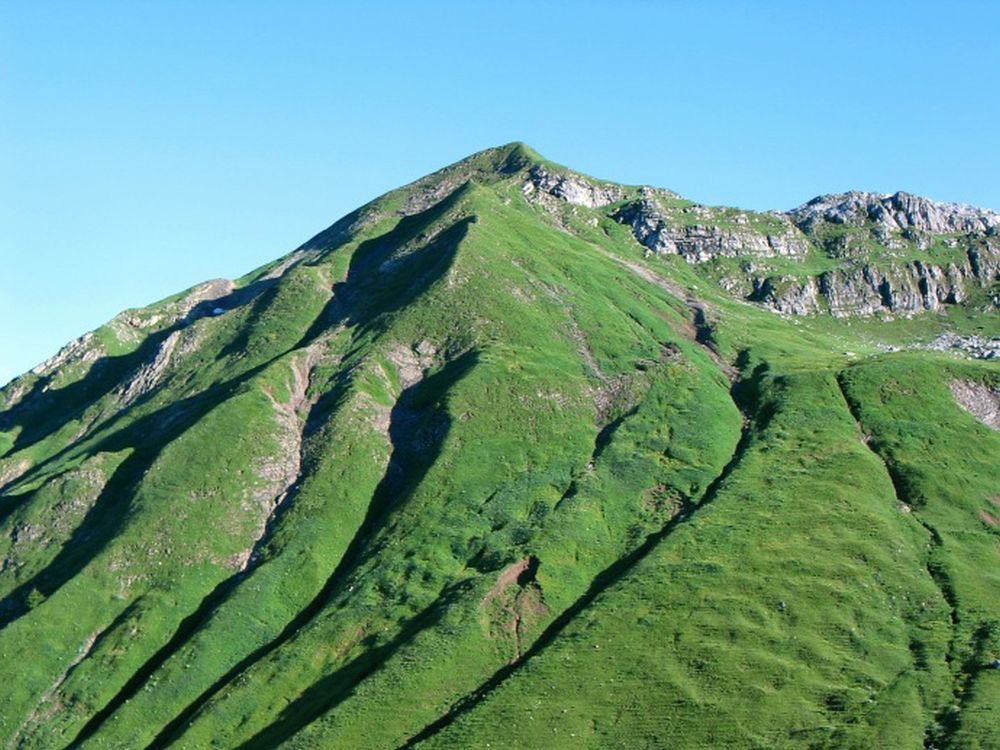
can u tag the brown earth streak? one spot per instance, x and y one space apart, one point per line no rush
525 607
987 518
507 578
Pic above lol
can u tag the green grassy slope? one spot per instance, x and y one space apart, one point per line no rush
470 468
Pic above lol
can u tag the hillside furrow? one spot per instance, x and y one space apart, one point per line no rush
312 702
297 419
147 436
407 463
101 522
478 466
601 583
46 704
202 626
329 692
205 613
297 426
935 571
702 333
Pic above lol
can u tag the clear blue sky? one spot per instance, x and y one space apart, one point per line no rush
147 146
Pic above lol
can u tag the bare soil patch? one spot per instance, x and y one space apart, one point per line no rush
979 399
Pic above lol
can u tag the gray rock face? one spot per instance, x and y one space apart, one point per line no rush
908 288
895 222
787 294
979 399
83 350
148 375
900 212
897 288
851 292
877 271
860 287
572 188
696 243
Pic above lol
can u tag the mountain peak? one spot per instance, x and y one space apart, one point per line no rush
507 413
898 211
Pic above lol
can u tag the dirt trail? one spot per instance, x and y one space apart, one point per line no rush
701 330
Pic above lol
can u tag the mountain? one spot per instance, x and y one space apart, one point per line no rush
514 457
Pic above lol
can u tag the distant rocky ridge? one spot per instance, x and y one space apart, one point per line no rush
702 239
901 288
899 212
895 254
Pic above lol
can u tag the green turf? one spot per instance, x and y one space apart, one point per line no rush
469 469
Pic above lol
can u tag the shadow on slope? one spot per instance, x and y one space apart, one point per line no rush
209 604
746 395
331 690
379 296
419 423
43 411
107 515
377 284
367 294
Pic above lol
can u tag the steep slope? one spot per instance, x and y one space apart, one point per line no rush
496 459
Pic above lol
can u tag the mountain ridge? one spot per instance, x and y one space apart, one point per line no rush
488 461
847 208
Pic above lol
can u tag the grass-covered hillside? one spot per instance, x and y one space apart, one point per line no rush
512 457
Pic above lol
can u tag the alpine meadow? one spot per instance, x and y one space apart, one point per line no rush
516 457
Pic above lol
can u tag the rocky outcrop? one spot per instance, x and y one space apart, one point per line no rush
788 294
128 327
852 292
572 188
900 212
132 326
972 346
81 351
146 378
706 236
897 288
431 194
979 399
908 288
880 229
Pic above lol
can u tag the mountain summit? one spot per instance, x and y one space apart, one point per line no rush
514 457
